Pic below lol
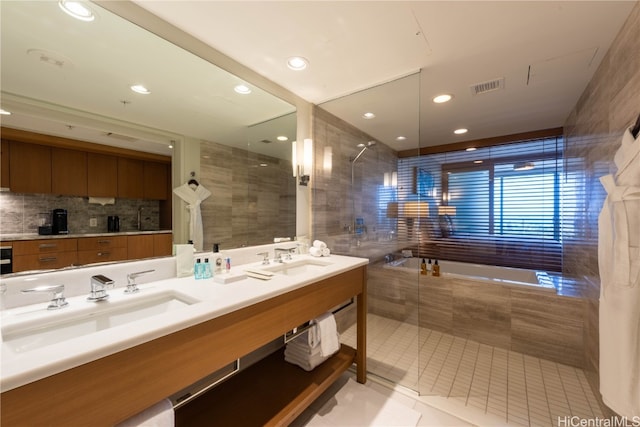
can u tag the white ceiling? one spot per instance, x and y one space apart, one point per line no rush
69 78
547 51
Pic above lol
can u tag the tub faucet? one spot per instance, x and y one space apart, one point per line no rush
99 285
132 286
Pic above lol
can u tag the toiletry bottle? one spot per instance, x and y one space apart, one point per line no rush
423 267
197 269
436 269
429 267
227 265
207 269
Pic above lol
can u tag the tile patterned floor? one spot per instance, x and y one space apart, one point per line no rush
482 384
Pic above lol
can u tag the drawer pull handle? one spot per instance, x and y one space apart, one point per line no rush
48 245
104 253
49 259
104 242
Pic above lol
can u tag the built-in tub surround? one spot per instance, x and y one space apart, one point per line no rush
206 308
526 317
20 213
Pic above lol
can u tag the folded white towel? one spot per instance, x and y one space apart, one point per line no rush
303 342
315 251
158 415
303 351
328 331
307 364
326 252
302 355
319 244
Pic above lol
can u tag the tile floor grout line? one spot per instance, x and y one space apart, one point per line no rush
473 374
593 413
563 389
544 388
526 390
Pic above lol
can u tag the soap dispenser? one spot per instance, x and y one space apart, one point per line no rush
423 267
436 269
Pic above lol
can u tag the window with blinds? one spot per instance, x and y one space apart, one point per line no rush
508 205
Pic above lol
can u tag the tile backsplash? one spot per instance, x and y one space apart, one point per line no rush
22 213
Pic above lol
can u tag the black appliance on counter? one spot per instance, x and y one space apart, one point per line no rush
59 222
113 224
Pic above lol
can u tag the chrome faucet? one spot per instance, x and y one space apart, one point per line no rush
99 286
283 251
58 301
132 286
265 260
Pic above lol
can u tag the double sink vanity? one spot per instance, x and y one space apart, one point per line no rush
100 362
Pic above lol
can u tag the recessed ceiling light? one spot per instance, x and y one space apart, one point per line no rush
401 138
4 112
297 63
368 115
460 131
242 89
445 97
263 165
282 138
77 10
140 89
477 161
471 149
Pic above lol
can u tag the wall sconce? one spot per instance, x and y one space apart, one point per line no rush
409 211
390 179
302 171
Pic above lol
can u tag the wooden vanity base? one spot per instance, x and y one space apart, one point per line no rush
109 390
272 392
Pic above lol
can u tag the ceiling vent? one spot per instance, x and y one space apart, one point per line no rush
488 86
121 137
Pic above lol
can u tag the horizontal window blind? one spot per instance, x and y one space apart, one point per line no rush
508 205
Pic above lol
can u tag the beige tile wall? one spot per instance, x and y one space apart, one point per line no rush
609 104
250 204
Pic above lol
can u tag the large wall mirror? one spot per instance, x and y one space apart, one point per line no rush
71 78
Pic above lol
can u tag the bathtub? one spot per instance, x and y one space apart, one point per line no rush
512 277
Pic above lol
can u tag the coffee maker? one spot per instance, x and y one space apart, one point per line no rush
59 221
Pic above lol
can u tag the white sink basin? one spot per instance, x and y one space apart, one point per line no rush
51 328
294 268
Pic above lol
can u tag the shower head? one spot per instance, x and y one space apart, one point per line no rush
364 147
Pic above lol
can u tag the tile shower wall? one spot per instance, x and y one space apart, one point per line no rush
335 202
592 134
20 213
250 204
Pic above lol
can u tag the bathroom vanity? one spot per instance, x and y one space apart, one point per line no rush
102 386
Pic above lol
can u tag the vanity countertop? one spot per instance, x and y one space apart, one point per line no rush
35 236
20 367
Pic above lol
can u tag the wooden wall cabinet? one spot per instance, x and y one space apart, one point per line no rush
156 181
30 168
130 178
5 181
102 175
68 172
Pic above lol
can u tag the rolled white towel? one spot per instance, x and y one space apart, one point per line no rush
326 252
159 415
319 244
315 251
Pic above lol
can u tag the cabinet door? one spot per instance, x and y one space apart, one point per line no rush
4 168
162 244
102 175
140 246
68 172
30 168
130 178
156 180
